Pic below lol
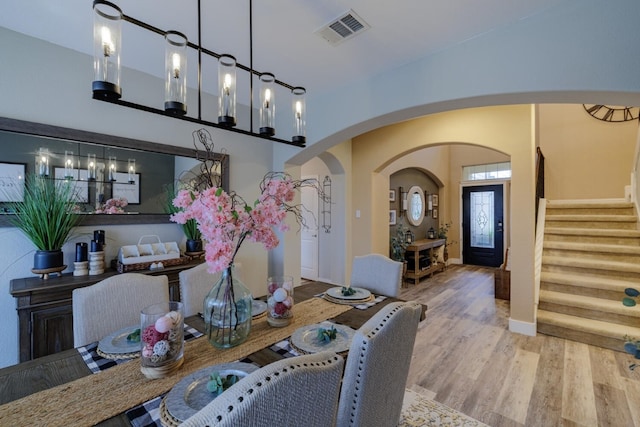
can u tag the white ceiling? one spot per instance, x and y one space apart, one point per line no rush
284 42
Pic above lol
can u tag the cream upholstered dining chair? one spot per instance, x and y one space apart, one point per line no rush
195 284
297 391
377 367
114 303
377 273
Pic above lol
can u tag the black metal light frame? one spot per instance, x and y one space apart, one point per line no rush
201 50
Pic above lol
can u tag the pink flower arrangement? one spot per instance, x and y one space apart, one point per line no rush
226 220
113 206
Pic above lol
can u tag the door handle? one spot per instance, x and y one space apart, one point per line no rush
499 228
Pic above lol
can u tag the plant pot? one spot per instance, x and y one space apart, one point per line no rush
194 245
45 260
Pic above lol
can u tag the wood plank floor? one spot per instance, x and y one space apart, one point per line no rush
466 358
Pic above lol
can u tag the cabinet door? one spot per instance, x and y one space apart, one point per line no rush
52 330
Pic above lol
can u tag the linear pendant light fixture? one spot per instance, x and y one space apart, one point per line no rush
107 43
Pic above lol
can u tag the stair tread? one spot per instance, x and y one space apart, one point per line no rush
589 203
593 247
591 217
591 303
596 327
591 263
589 281
588 232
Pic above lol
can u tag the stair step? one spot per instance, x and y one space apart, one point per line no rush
629 267
592 251
591 308
592 232
594 332
604 207
589 203
582 284
595 247
592 218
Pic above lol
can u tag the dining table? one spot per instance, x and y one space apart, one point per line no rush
61 389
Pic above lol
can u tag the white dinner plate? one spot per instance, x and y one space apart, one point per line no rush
190 394
306 338
116 343
360 294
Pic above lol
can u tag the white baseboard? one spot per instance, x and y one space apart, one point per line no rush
524 328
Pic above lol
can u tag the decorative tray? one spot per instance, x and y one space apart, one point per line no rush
123 268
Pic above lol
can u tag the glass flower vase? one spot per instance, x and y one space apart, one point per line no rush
227 311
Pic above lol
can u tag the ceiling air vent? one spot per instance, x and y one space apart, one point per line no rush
343 28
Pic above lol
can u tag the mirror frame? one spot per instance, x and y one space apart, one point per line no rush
57 132
415 190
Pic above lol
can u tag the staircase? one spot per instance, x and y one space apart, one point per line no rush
591 253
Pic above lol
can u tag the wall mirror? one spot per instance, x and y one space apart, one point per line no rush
415 206
140 171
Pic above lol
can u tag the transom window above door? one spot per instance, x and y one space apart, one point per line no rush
500 170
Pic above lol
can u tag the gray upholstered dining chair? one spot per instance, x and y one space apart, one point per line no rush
114 303
195 284
297 391
377 273
377 367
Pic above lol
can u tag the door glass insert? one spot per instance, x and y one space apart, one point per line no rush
482 226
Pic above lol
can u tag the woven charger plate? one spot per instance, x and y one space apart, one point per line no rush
166 418
348 302
118 355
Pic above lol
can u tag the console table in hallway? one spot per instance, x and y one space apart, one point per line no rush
423 248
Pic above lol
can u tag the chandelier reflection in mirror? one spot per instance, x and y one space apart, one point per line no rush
107 47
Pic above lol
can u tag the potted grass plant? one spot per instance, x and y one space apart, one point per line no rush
45 215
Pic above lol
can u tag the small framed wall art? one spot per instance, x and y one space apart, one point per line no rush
435 200
392 217
434 213
392 195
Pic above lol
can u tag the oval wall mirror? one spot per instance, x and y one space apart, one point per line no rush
415 206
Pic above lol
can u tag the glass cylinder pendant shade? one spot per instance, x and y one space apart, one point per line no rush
42 162
267 104
175 71
91 167
112 168
299 114
131 170
227 90
107 41
68 164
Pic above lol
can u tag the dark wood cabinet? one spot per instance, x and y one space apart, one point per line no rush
45 317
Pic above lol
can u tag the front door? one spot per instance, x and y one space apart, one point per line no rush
482 225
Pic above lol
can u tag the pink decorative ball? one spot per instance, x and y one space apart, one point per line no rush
272 287
151 336
280 309
164 324
147 351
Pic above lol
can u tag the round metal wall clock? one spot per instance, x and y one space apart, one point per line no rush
612 113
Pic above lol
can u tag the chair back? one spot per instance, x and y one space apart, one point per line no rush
297 391
377 367
195 284
377 273
114 303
